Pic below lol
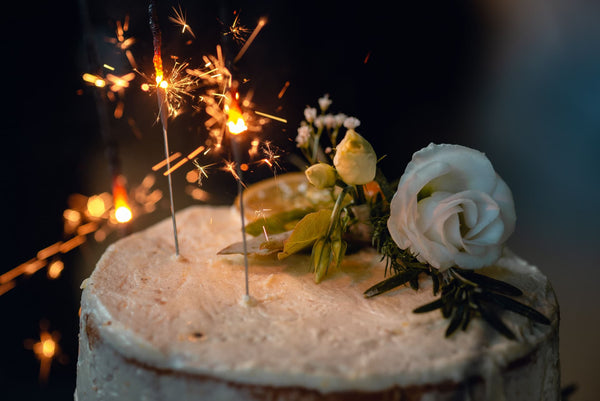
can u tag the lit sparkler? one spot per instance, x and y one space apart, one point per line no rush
46 350
161 84
95 215
178 86
236 126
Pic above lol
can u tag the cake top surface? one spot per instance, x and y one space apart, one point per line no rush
185 314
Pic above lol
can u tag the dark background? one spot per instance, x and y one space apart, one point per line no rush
517 80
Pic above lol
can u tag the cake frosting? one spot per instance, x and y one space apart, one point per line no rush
154 326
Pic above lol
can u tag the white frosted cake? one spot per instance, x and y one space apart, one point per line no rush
157 327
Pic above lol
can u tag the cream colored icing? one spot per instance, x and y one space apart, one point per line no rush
185 314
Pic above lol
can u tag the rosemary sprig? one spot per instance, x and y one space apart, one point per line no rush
468 294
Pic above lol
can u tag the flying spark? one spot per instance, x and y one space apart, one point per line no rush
237 31
180 19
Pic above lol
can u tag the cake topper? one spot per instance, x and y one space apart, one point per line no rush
448 219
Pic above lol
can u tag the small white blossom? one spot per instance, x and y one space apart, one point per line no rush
320 122
329 120
351 122
303 135
310 113
324 102
339 119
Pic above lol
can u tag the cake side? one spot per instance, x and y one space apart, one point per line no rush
180 322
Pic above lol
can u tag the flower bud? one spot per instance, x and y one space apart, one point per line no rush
355 159
321 175
321 258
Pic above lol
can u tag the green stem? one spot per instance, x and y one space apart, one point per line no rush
360 195
337 209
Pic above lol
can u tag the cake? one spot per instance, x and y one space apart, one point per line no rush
154 326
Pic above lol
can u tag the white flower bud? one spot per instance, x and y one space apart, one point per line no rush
319 122
321 175
351 122
324 102
355 160
303 135
339 119
329 120
310 113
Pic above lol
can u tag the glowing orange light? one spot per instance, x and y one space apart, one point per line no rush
123 212
55 268
46 349
94 79
96 206
235 120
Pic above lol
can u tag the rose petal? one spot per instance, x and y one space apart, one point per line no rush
466 168
490 235
485 257
503 196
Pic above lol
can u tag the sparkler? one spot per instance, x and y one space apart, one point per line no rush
46 349
236 126
161 84
86 215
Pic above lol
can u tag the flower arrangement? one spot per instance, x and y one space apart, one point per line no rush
449 216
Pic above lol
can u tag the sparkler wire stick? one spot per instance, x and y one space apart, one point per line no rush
162 106
236 156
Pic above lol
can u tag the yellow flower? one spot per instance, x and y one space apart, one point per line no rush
355 159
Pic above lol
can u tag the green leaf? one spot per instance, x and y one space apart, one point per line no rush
515 306
257 246
457 319
277 222
489 316
391 283
490 283
437 304
312 227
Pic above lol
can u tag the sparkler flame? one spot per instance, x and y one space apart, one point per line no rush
123 213
235 118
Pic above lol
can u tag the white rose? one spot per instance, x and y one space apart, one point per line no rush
451 208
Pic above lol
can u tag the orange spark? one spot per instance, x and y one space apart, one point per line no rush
160 165
282 91
259 26
230 167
